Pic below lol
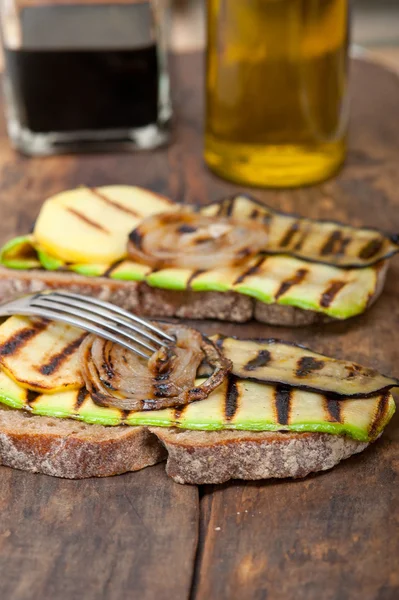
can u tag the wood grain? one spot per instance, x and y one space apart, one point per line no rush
23 3
131 536
332 536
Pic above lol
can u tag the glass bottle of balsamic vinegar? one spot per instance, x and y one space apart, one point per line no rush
85 74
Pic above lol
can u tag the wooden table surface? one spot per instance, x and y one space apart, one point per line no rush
329 536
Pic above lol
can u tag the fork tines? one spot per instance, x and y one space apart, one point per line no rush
102 318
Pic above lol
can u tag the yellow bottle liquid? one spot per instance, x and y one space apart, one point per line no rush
276 93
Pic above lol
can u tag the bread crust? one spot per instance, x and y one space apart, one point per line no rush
199 457
121 293
74 450
288 316
223 306
156 302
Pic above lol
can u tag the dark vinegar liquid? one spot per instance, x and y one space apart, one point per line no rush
68 91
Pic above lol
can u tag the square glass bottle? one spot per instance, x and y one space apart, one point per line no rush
86 74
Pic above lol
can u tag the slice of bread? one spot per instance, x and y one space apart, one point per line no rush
71 449
155 302
75 450
200 457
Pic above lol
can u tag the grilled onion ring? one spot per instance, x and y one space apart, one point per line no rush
188 240
116 377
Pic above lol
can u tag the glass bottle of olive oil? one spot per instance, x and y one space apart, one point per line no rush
277 90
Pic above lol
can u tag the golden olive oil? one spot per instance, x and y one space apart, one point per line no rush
276 90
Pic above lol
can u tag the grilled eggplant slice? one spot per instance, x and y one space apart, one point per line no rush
278 362
312 240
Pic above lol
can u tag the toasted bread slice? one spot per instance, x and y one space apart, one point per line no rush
200 457
74 450
155 302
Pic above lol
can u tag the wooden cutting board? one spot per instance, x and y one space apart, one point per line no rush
330 536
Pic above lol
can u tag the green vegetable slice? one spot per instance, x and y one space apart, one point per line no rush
275 361
48 262
338 293
239 404
20 253
291 273
325 242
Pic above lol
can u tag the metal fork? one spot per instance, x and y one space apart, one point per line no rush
95 316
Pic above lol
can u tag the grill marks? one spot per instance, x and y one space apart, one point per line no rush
353 371
112 268
226 207
261 360
161 389
163 369
31 396
56 361
86 219
244 253
136 237
108 365
308 364
288 236
371 249
325 242
289 283
179 412
80 398
253 270
125 414
329 294
186 229
114 203
380 415
193 276
301 241
21 338
282 405
282 400
335 244
231 398
333 408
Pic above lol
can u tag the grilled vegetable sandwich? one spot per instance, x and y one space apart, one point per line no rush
74 405
233 260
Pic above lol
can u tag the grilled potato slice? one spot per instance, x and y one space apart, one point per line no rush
41 355
91 225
